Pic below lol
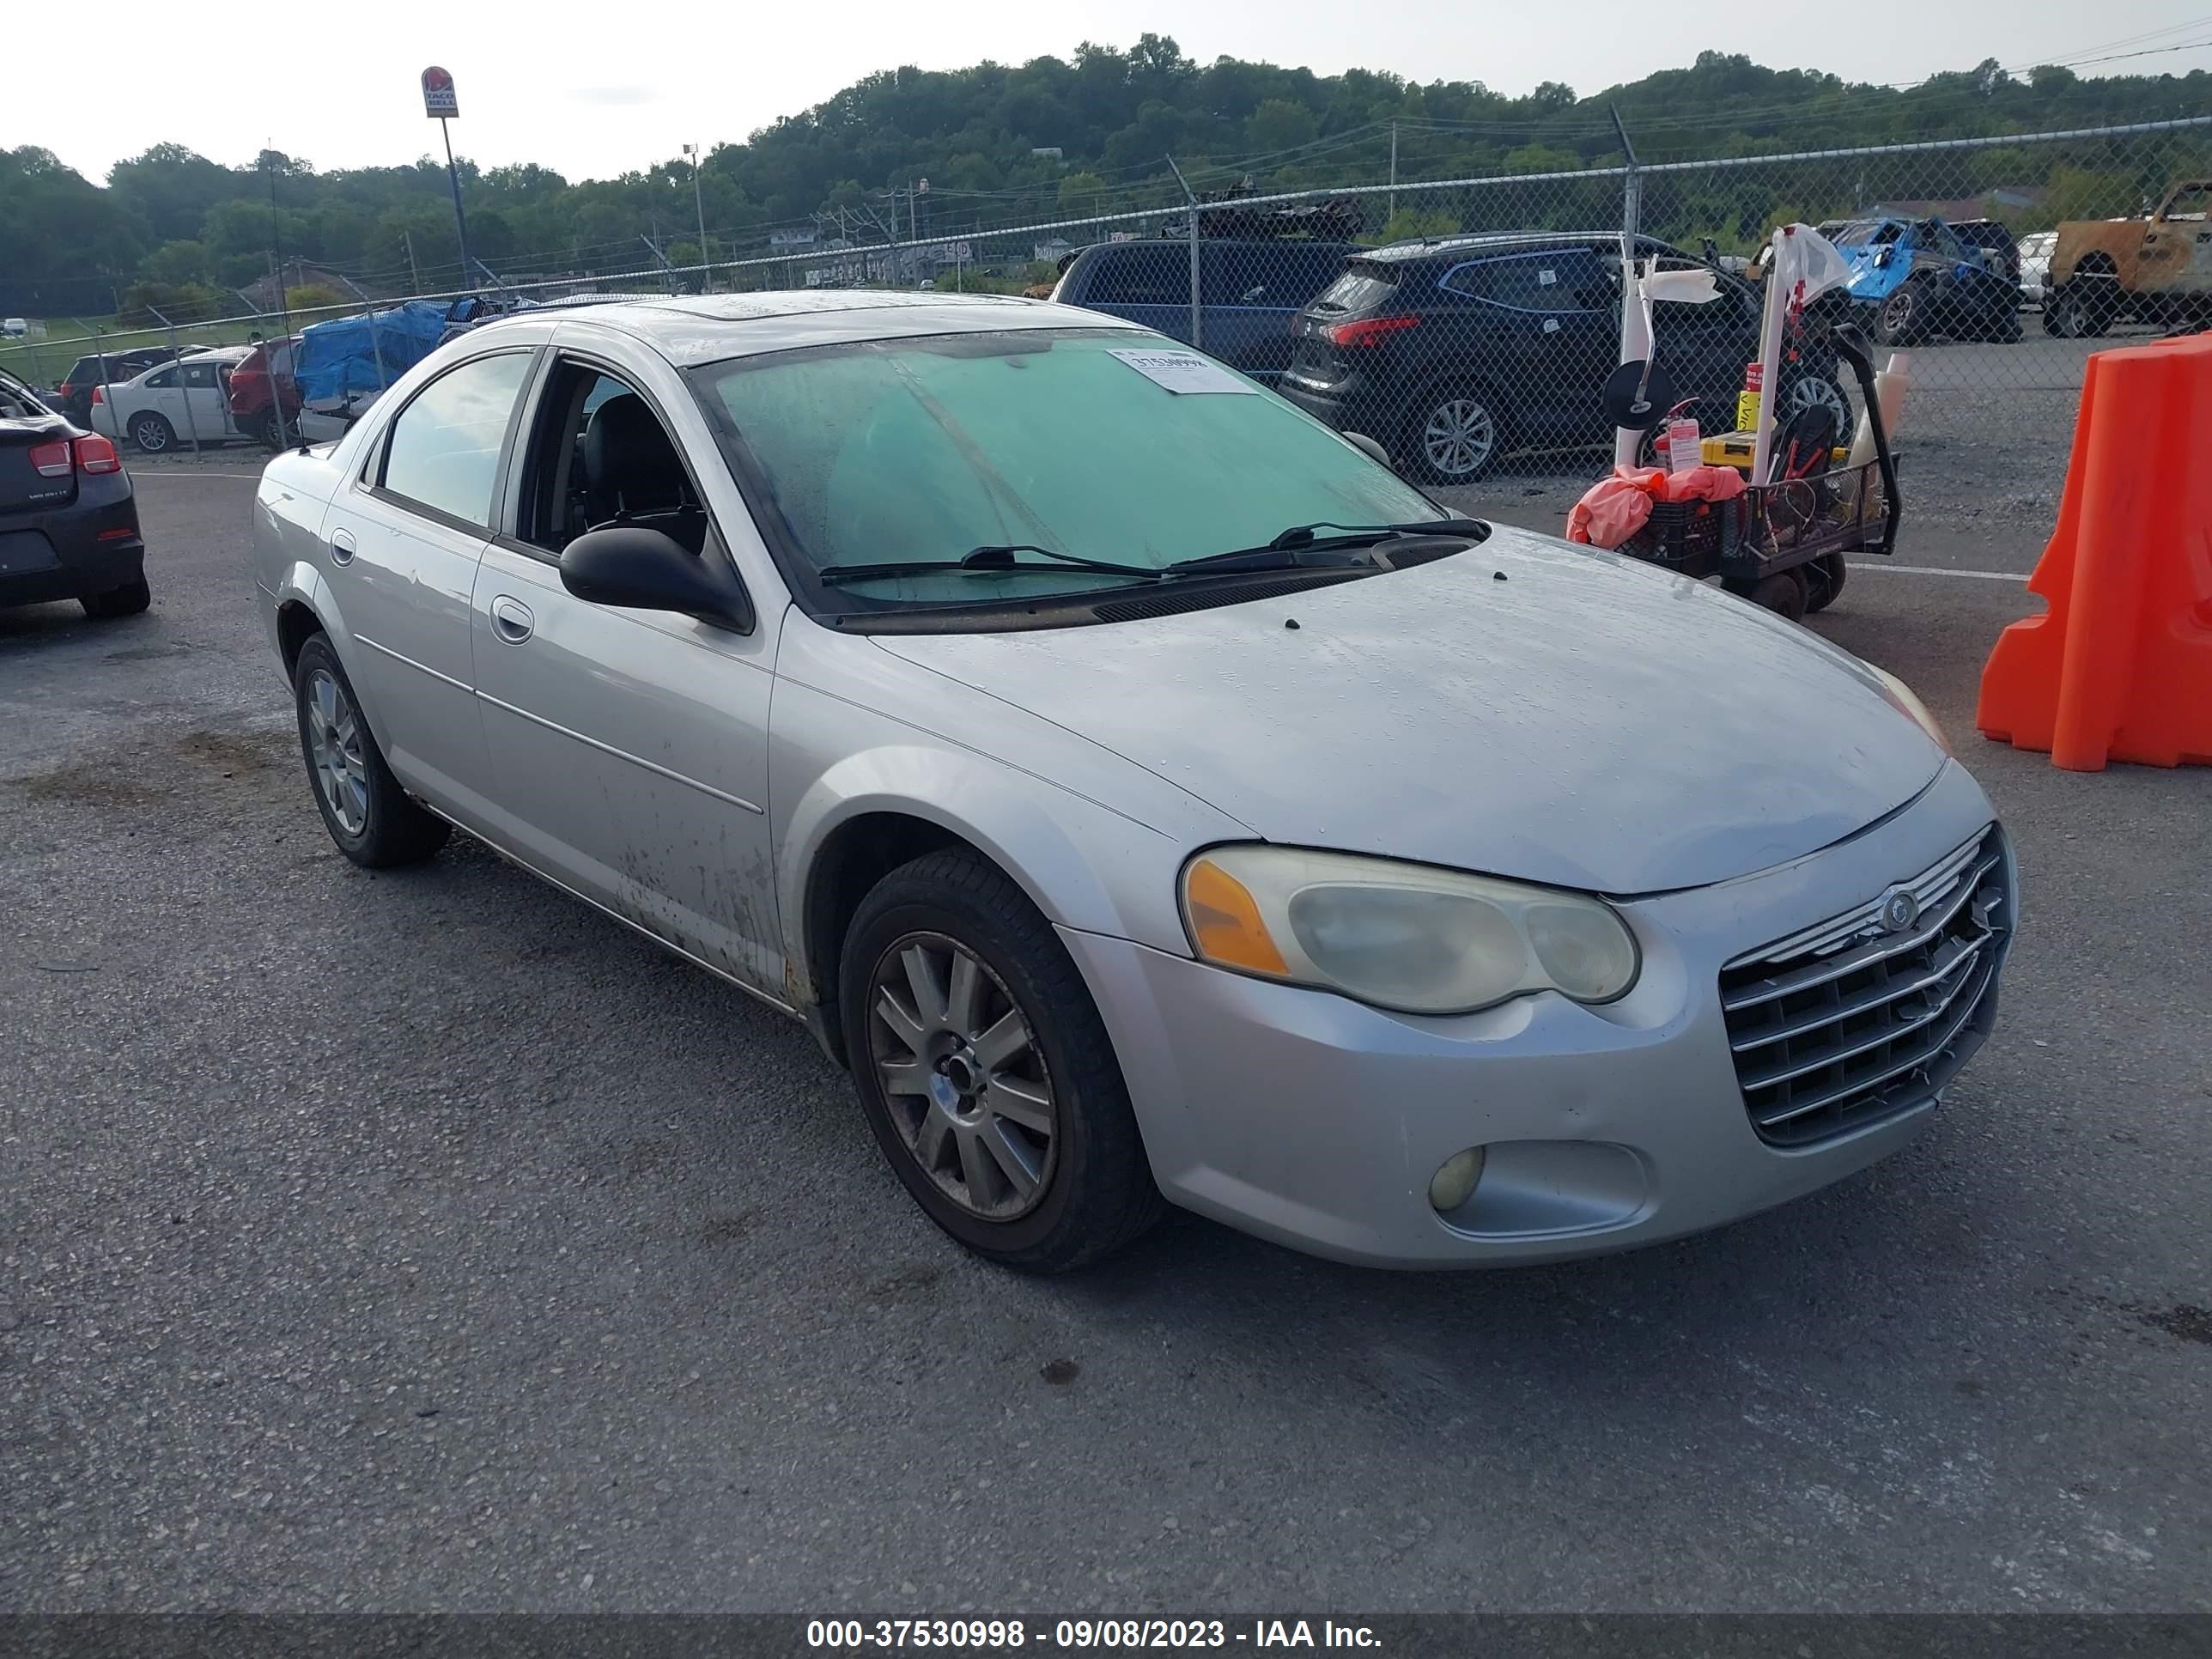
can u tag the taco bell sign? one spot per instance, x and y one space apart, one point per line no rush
439 98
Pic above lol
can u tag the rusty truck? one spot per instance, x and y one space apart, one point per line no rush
2156 269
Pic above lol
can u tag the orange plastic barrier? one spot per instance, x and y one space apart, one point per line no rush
2120 667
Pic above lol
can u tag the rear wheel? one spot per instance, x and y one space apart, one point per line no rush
127 600
152 434
2080 309
1454 435
985 1070
366 812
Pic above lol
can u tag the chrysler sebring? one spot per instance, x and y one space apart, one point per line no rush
1142 792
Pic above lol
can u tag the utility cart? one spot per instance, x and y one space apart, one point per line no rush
1782 544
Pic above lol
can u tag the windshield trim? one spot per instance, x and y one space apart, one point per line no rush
847 612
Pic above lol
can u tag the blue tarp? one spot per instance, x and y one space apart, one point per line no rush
342 356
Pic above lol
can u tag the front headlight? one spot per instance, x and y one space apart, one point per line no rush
1401 936
1902 700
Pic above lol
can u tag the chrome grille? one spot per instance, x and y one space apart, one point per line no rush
1849 1023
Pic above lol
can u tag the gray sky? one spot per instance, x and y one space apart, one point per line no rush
600 90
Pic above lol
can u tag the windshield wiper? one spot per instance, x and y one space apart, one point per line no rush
1296 546
992 558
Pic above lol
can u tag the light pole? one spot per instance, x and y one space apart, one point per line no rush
699 201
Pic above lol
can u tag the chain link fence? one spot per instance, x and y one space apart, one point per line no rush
1468 325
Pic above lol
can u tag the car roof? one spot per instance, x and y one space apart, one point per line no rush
1514 242
691 329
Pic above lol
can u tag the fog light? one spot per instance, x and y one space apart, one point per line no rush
1454 1179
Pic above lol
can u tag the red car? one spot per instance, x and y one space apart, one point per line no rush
258 383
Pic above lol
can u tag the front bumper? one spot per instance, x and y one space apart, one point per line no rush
1318 1122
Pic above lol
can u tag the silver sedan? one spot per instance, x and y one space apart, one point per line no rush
1141 791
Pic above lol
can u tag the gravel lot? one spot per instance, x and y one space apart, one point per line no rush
424 1241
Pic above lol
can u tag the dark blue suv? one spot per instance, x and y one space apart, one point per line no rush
1451 352
1250 293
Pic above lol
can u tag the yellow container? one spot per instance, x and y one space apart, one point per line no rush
1747 411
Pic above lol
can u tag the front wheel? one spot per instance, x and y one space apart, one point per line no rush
1899 321
366 812
1454 435
985 1072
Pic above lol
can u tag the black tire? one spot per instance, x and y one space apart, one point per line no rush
127 600
1096 1189
1824 580
152 433
1785 593
2080 309
1431 454
263 430
1903 315
393 830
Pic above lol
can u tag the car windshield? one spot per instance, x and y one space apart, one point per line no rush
1867 232
1114 446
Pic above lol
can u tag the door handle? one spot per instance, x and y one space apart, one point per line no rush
342 546
511 619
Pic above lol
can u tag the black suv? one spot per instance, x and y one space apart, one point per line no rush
1250 293
1994 239
73 397
1450 353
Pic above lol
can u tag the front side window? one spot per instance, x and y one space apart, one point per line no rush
905 451
443 451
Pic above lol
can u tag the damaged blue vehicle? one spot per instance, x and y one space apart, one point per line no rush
1917 281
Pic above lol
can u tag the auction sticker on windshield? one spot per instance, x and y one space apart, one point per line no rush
1184 372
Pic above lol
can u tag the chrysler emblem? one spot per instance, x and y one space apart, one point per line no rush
1900 908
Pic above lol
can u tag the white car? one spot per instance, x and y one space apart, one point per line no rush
166 407
2035 265
325 423
15 327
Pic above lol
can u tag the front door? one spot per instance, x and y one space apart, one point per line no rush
628 748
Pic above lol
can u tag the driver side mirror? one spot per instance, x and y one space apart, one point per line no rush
1367 446
641 568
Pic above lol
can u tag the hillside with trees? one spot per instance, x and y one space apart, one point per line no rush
998 144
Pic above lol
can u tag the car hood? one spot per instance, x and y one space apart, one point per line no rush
1526 709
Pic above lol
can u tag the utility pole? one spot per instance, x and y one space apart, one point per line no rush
1197 317
442 104
699 201
1393 170
414 271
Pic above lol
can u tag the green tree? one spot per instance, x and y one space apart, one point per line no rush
1280 125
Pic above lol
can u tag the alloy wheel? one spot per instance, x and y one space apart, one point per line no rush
1459 437
964 1076
334 738
150 436
1813 391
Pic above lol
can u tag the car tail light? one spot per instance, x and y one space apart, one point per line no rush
51 460
1367 332
96 455
100 394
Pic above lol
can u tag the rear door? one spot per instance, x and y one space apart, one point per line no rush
1550 335
1252 293
403 541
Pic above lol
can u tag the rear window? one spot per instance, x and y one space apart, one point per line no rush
83 372
1359 287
